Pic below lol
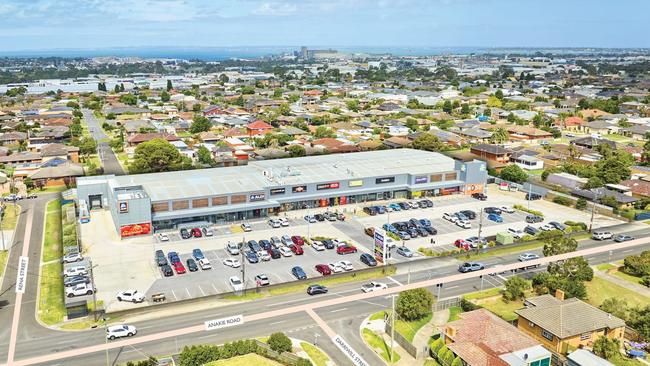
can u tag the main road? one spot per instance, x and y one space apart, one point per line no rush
106 155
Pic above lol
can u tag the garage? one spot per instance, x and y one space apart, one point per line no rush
95 201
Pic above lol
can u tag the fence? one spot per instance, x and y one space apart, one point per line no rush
447 303
284 357
404 343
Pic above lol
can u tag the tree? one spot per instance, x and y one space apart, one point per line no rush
129 98
204 156
593 182
352 105
87 146
296 151
639 320
29 183
223 78
429 142
164 96
323 132
200 124
515 288
499 94
284 109
573 268
581 203
616 306
75 129
499 136
513 173
279 342
606 347
169 85
117 88
555 243
447 107
464 109
414 304
157 155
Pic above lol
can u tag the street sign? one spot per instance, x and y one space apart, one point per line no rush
224 322
380 245
21 276
349 351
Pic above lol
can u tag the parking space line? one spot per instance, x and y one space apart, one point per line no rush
174 294
278 322
337 310
394 281
188 292
200 289
215 288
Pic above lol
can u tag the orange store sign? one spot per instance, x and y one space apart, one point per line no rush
135 229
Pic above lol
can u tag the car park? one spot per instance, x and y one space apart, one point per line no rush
623 237
602 235
373 286
251 257
163 237
185 234
236 283
81 289
534 219
475 241
528 257
191 265
346 265
317 245
233 248
204 263
274 223
298 273
75 271
323 269
346 249
197 254
285 251
178 267
310 219
495 217
196 232
479 196
370 211
207 231
131 296
507 209
517 234
72 257
262 280
368 260
316 289
167 270
75 280
231 262
469 214
530 230
119 331
470 267
335 268
246 227
404 252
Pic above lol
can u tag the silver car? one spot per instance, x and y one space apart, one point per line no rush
404 252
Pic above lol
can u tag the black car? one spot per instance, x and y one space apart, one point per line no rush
427 202
531 230
370 211
534 219
400 226
298 273
492 210
414 223
251 257
167 270
252 244
316 289
191 265
557 225
274 253
75 280
160 258
185 234
422 204
319 217
265 244
368 260
422 231
412 232
469 214
533 196
479 196
329 244
404 206
431 230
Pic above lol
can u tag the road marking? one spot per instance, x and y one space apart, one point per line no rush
280 322
200 289
215 288
337 310
627 251
174 294
394 281
188 292
501 277
451 287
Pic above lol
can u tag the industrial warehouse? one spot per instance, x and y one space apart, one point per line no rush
141 204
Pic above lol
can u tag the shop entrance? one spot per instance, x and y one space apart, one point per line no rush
95 201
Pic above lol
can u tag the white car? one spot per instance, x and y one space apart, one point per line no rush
236 283
449 217
528 257
263 255
207 231
317 245
405 252
283 222
204 263
346 265
75 271
72 257
414 204
130 295
602 235
507 209
274 223
81 289
119 331
373 286
163 237
232 248
286 240
464 224
285 251
547 227
262 280
310 219
517 234
232 262
335 267
246 227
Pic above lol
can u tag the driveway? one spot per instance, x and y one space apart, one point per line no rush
106 155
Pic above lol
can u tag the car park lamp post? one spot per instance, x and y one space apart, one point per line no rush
92 281
392 330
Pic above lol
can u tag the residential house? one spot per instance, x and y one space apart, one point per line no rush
566 180
258 128
638 187
48 134
474 134
21 158
209 136
294 131
396 142
591 114
637 132
12 138
139 138
491 152
528 162
334 145
52 151
601 127
528 133
138 126
572 123
57 175
592 143
622 199
562 324
582 357
481 338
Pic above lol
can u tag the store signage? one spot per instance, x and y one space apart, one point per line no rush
355 183
275 191
21 276
299 189
419 180
333 185
135 229
380 245
224 322
253 197
124 206
384 180
349 351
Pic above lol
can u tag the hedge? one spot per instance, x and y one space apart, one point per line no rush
560 200
530 211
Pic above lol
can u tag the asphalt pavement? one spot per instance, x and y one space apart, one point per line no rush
106 155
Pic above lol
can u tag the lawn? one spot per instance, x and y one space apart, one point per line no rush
616 137
599 289
316 355
621 360
492 300
409 328
624 276
605 266
54 189
4 254
378 315
431 363
483 294
51 308
454 313
250 359
376 343
10 216
52 248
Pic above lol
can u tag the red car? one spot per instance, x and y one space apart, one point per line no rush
346 249
296 249
196 232
460 243
323 269
298 240
179 268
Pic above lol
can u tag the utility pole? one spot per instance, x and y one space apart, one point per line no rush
2 233
480 228
392 330
593 211
243 261
530 187
92 281
106 339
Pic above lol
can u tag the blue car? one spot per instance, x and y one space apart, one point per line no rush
425 222
495 217
251 257
173 257
380 209
197 254
298 273
390 228
395 207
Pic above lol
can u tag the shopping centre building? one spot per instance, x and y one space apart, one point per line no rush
141 203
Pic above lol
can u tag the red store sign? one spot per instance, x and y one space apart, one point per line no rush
135 229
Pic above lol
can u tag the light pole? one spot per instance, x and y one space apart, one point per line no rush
2 233
392 330
92 281
593 210
315 339
106 339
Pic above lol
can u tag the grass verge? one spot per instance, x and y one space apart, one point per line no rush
408 329
246 360
605 266
491 300
377 344
599 289
4 255
629 278
454 313
317 356
10 217
51 308
52 248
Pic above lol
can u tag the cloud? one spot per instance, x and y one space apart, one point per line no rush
275 9
151 10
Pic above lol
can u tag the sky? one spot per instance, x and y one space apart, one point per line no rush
99 24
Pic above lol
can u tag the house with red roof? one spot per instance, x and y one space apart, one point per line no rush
572 123
139 138
258 128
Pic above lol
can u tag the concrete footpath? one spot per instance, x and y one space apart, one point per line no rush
638 288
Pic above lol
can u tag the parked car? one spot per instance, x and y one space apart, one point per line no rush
323 269
207 231
623 237
119 331
395 207
533 196
197 254
492 210
75 271
479 196
346 249
319 217
475 241
316 289
461 216
425 222
75 280
330 216
81 289
236 283
464 224
251 256
163 237
72 257
233 248
530 230
534 219
422 232
285 251
173 257
265 244
404 252
204 263
370 231
517 234
296 249
469 214
431 230
274 223
283 222
317 245
262 280
179 267
346 265
557 225
298 273
404 206
196 232
414 204
373 286
191 265
495 217
470 267
253 246
380 209
298 240
368 260
160 258
310 218
286 240
167 270
275 241
130 295
404 235
335 268
528 257
370 211
602 235
231 262
246 227
507 209
450 217
185 234
274 253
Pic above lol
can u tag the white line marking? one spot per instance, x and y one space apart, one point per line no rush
627 251
174 294
200 289
394 281
280 322
215 288
450 287
337 310
188 292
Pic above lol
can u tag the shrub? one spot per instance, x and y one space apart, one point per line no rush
530 211
576 225
428 252
581 203
69 230
414 304
645 281
527 237
564 201
435 346
441 352
515 288
467 305
303 362
279 342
